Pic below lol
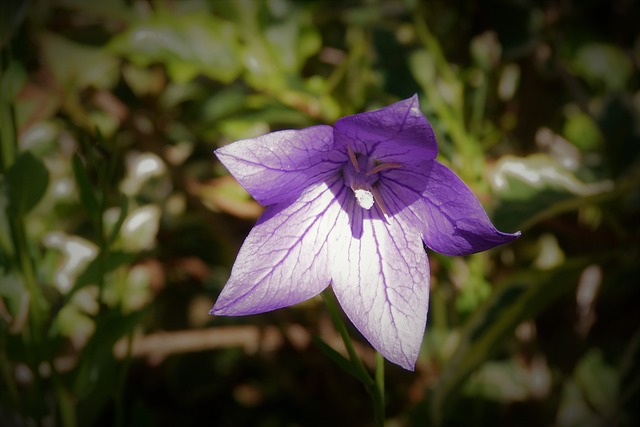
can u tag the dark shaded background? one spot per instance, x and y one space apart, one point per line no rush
118 227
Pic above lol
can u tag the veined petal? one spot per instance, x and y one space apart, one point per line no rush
436 203
284 260
382 283
278 166
397 133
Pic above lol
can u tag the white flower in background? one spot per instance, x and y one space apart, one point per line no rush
77 253
140 228
140 168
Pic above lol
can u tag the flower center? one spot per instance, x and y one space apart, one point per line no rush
361 175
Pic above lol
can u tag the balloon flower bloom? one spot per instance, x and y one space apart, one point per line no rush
353 206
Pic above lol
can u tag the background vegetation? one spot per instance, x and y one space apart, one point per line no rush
118 226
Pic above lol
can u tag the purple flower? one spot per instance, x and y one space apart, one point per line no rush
353 206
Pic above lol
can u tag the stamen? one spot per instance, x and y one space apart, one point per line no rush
364 197
384 166
378 199
354 161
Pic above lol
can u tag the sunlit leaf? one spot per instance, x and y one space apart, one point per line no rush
534 187
115 231
486 50
603 64
223 103
35 104
500 381
423 67
74 323
188 44
226 195
75 254
243 128
144 81
293 41
582 131
140 227
76 66
274 52
41 138
101 266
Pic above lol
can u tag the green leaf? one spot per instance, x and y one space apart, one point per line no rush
99 267
292 41
598 380
603 64
582 131
124 210
12 80
76 66
522 297
423 67
223 104
274 51
188 44
340 360
99 348
535 187
87 195
27 181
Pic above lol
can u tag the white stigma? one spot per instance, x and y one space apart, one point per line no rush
365 198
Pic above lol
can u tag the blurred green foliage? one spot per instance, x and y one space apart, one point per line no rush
118 227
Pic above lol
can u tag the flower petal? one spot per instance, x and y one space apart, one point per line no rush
436 203
382 283
279 166
284 259
397 133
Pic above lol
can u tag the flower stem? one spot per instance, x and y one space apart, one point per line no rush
378 392
332 306
375 385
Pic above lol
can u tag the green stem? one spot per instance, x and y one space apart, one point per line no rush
65 399
432 45
7 372
119 397
7 119
378 392
35 335
9 143
374 386
27 269
478 103
332 306
575 203
451 115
